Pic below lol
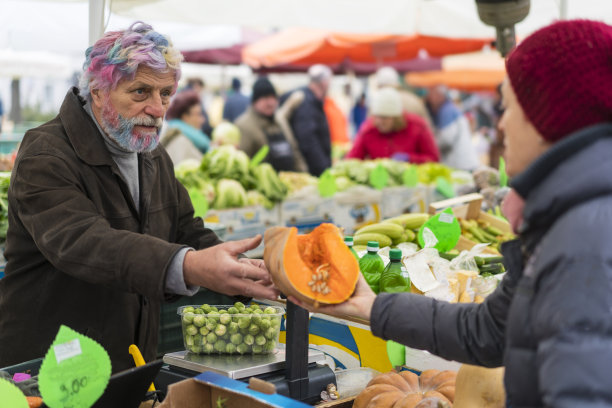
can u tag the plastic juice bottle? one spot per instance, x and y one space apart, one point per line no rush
349 243
392 279
371 266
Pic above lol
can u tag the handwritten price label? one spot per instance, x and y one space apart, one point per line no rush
75 371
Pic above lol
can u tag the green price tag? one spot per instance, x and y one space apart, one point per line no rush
11 396
442 231
327 184
396 353
199 202
379 177
503 176
75 371
410 177
444 187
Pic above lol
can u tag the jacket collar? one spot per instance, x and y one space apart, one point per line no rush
84 135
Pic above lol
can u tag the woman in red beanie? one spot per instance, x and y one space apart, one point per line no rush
549 322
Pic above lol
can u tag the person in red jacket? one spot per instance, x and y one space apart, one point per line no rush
392 133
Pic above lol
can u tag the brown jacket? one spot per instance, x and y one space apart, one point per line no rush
77 251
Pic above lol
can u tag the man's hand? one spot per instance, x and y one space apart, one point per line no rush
218 268
358 305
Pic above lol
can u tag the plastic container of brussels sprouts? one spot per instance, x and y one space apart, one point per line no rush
227 329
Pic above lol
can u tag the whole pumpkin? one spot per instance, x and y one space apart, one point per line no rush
432 389
316 268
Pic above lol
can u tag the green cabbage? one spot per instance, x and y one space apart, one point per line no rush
230 194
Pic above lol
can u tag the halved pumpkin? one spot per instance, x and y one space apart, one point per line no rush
316 268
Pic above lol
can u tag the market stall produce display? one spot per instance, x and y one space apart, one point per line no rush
315 268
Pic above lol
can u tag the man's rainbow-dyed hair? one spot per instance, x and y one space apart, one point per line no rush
118 54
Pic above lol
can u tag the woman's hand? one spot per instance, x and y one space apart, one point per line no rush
358 305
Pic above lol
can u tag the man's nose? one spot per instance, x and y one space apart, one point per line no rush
155 107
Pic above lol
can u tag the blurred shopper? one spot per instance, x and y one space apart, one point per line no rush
236 103
389 77
453 134
259 127
183 138
338 125
1 114
309 123
549 320
359 112
199 87
392 133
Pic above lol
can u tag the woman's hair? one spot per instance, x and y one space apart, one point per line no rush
118 54
182 103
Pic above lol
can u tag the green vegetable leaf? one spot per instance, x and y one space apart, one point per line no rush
260 155
503 176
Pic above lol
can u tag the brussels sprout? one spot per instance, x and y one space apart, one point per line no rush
220 330
225 318
271 333
188 309
214 315
202 341
254 329
211 338
191 330
269 310
206 308
197 340
242 348
275 322
208 348
240 306
269 346
188 317
236 338
257 349
232 328
211 324
213 309
254 307
198 311
264 325
199 320
260 340
223 311
230 348
189 340
244 322
204 331
220 346
232 310
248 340
195 349
244 331
256 318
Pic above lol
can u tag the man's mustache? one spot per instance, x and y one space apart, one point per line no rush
147 121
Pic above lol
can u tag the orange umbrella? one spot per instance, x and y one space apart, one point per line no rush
303 46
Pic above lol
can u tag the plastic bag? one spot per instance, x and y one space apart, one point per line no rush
465 260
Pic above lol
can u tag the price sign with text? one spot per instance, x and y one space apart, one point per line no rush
74 372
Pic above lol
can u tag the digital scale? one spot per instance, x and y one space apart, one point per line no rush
297 371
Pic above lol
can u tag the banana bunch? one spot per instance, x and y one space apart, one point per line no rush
480 231
392 231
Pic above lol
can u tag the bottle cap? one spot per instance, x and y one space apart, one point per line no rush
395 254
372 246
348 241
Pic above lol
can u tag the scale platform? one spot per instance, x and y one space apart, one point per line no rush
236 366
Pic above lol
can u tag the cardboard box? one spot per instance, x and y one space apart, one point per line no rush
306 213
401 200
357 207
469 207
212 390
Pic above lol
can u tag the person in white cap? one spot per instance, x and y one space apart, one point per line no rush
411 103
391 132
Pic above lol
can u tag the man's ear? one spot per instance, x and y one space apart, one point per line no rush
97 98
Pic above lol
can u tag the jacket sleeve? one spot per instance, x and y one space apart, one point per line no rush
304 131
467 333
573 330
358 151
75 238
427 150
248 139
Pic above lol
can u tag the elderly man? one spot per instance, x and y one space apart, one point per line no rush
101 232
309 123
259 127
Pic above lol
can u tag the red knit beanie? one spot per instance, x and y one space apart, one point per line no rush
562 76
